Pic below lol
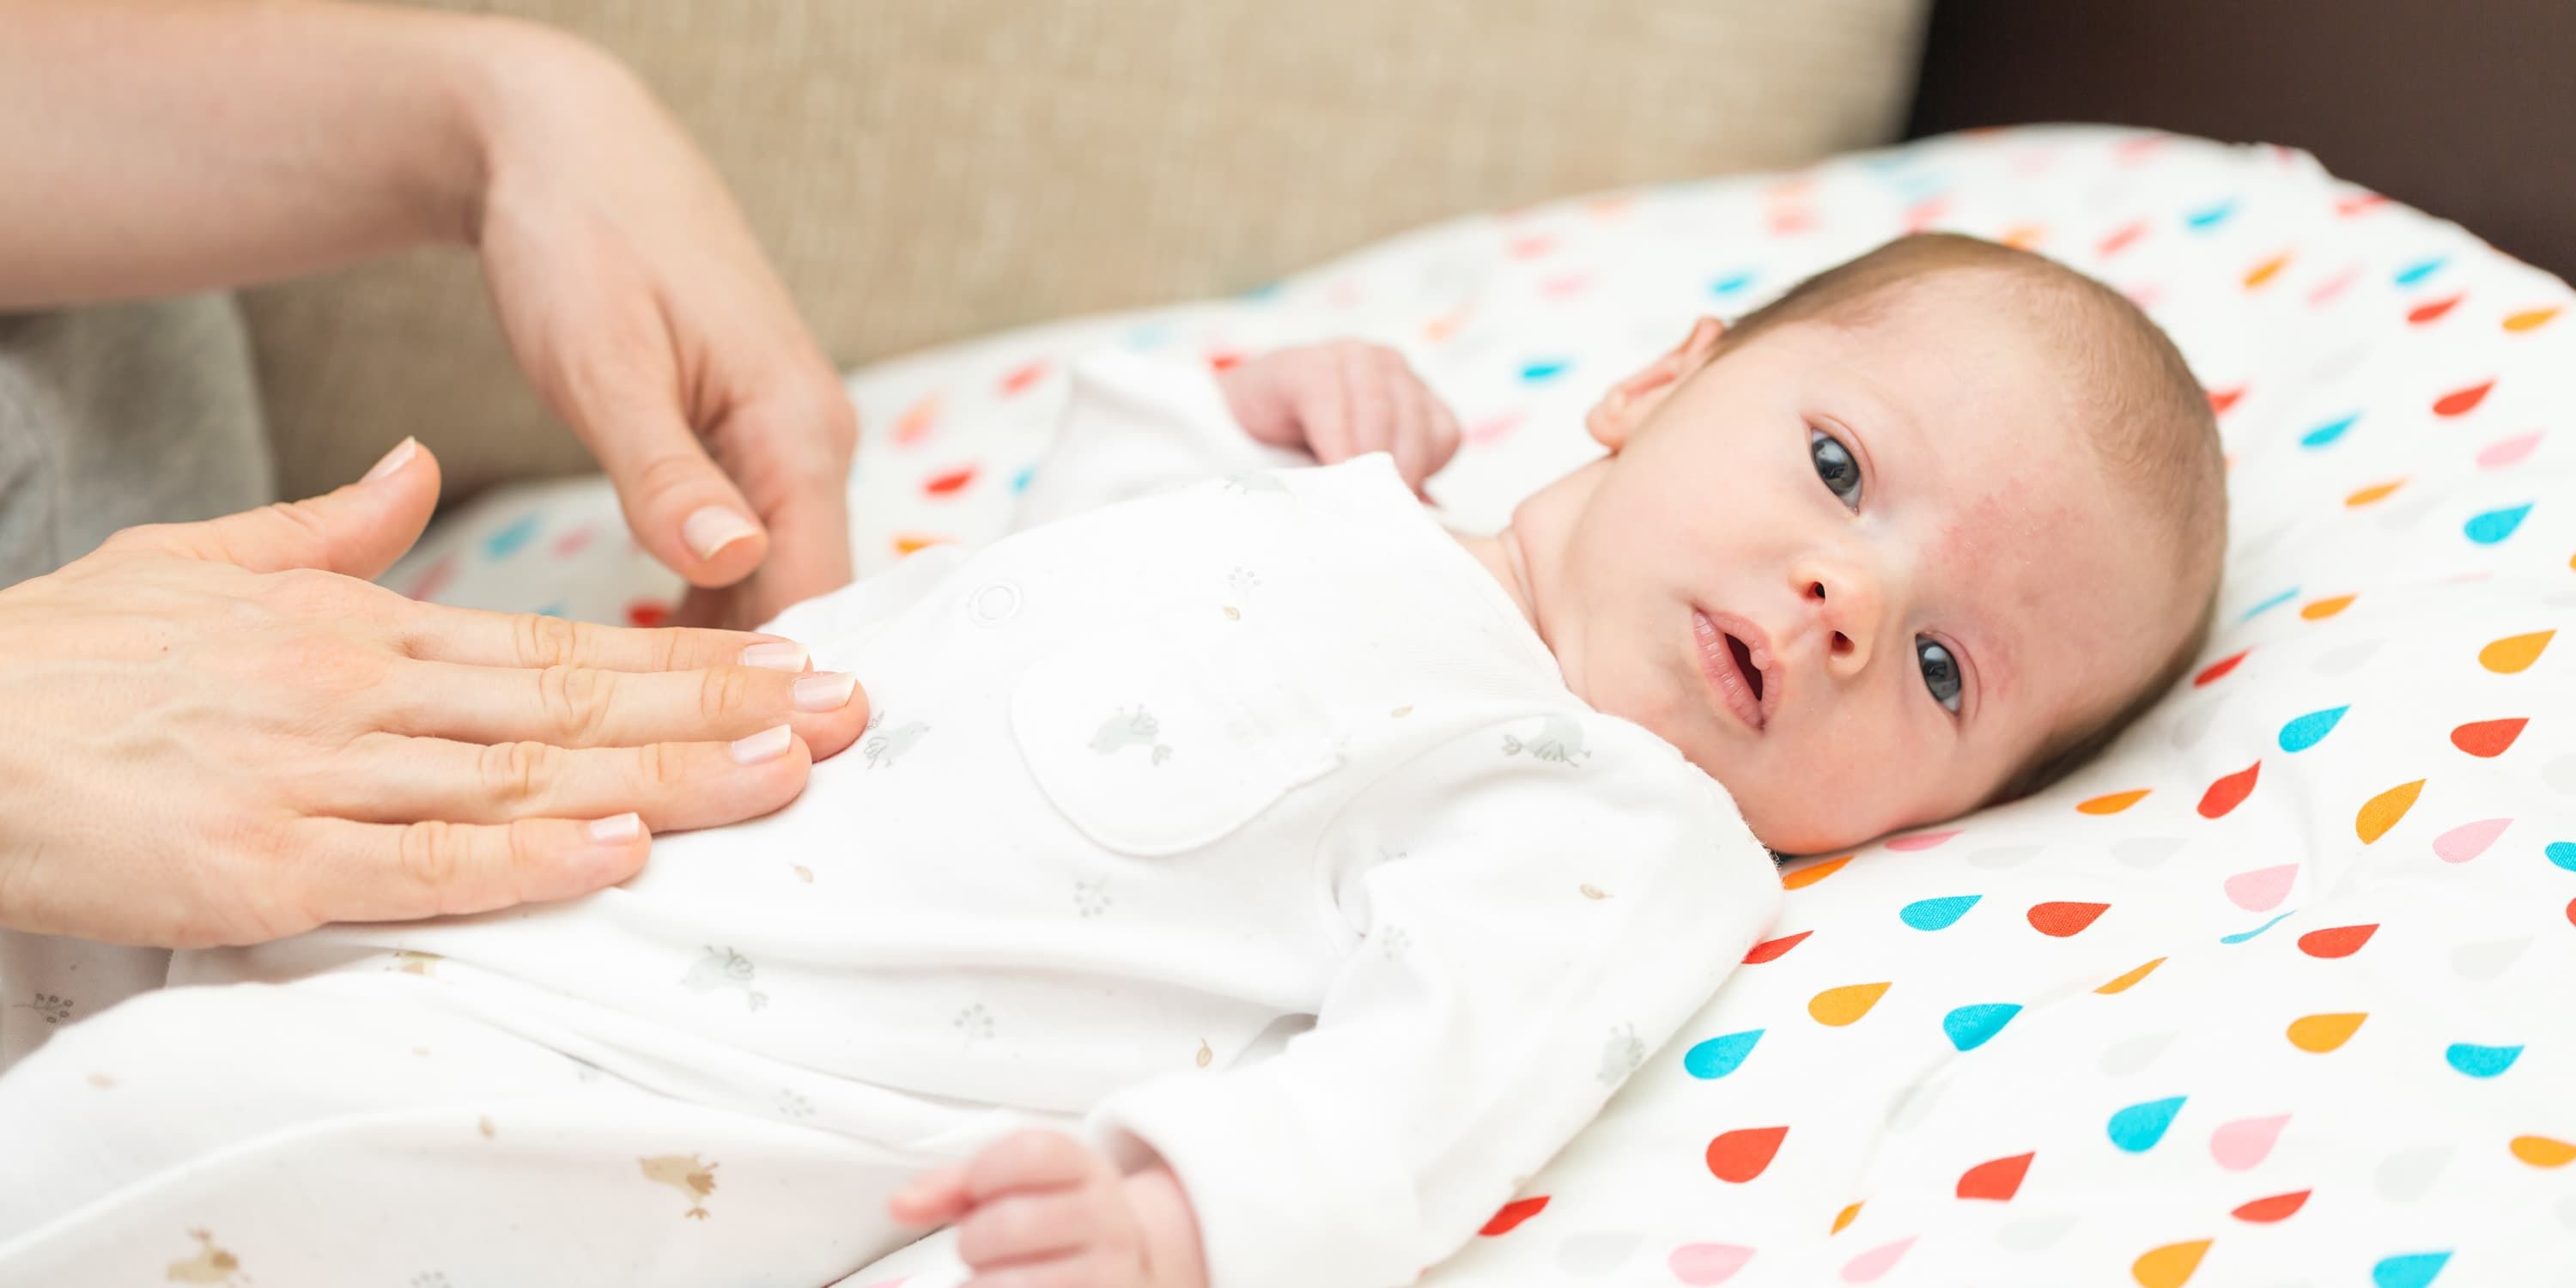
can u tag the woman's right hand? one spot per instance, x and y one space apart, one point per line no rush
215 733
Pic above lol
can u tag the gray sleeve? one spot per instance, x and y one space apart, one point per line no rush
121 414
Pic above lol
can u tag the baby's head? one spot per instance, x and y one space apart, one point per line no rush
1919 535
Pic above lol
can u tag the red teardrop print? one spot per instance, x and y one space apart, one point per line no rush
947 484
2120 241
2222 399
2337 941
2488 737
2460 402
1512 1214
2279 1207
2210 673
1998 1179
2432 312
1771 950
1019 381
2229 792
2064 919
1739 1156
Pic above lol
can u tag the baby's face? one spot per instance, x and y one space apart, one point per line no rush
1858 576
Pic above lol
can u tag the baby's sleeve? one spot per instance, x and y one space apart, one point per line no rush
1536 906
1133 425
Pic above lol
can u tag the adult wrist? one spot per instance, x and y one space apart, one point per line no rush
527 92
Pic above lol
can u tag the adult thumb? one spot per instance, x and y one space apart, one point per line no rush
357 530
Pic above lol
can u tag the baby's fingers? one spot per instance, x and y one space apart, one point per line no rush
933 1198
1027 1227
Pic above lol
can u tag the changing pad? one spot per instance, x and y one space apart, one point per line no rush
2276 992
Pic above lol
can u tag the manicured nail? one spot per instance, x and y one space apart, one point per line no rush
713 528
825 690
776 657
394 460
768 744
614 829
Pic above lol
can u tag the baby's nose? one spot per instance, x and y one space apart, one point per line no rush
1847 608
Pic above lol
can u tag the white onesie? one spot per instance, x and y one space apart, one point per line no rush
1145 789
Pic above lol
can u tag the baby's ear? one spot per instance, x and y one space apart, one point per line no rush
1614 420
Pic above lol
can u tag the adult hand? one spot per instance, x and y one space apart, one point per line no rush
181 137
640 306
210 735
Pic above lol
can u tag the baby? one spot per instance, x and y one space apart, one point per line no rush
1247 883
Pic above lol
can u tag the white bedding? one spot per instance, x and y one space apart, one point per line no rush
2344 854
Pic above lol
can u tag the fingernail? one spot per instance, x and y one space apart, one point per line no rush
394 460
713 528
776 657
768 744
611 830
825 690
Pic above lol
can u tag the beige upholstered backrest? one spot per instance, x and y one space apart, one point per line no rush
922 170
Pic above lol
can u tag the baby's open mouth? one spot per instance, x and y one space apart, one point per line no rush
1744 662
1736 660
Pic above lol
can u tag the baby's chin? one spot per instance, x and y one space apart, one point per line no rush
1793 830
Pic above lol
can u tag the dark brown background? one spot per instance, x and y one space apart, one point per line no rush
2463 108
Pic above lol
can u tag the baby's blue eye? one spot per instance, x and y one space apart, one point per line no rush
1940 671
1834 464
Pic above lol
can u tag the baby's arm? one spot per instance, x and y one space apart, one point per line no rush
1133 425
1537 902
1340 400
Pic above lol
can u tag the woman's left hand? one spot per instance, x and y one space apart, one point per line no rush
640 306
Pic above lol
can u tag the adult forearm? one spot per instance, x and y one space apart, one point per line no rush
157 146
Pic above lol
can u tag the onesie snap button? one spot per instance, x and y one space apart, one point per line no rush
994 604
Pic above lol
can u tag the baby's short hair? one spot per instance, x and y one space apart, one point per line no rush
2150 421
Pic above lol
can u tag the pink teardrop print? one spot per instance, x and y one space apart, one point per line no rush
2508 451
1868 1266
2469 840
1920 840
1702 1264
2262 889
2239 1145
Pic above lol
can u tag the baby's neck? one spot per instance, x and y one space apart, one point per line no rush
1501 556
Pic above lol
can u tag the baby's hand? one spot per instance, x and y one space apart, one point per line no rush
1341 400
1037 1208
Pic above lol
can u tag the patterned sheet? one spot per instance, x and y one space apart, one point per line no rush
2276 992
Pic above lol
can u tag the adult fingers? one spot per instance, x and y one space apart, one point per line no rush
791 454
351 871
358 529
476 638
673 786
582 706
679 505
